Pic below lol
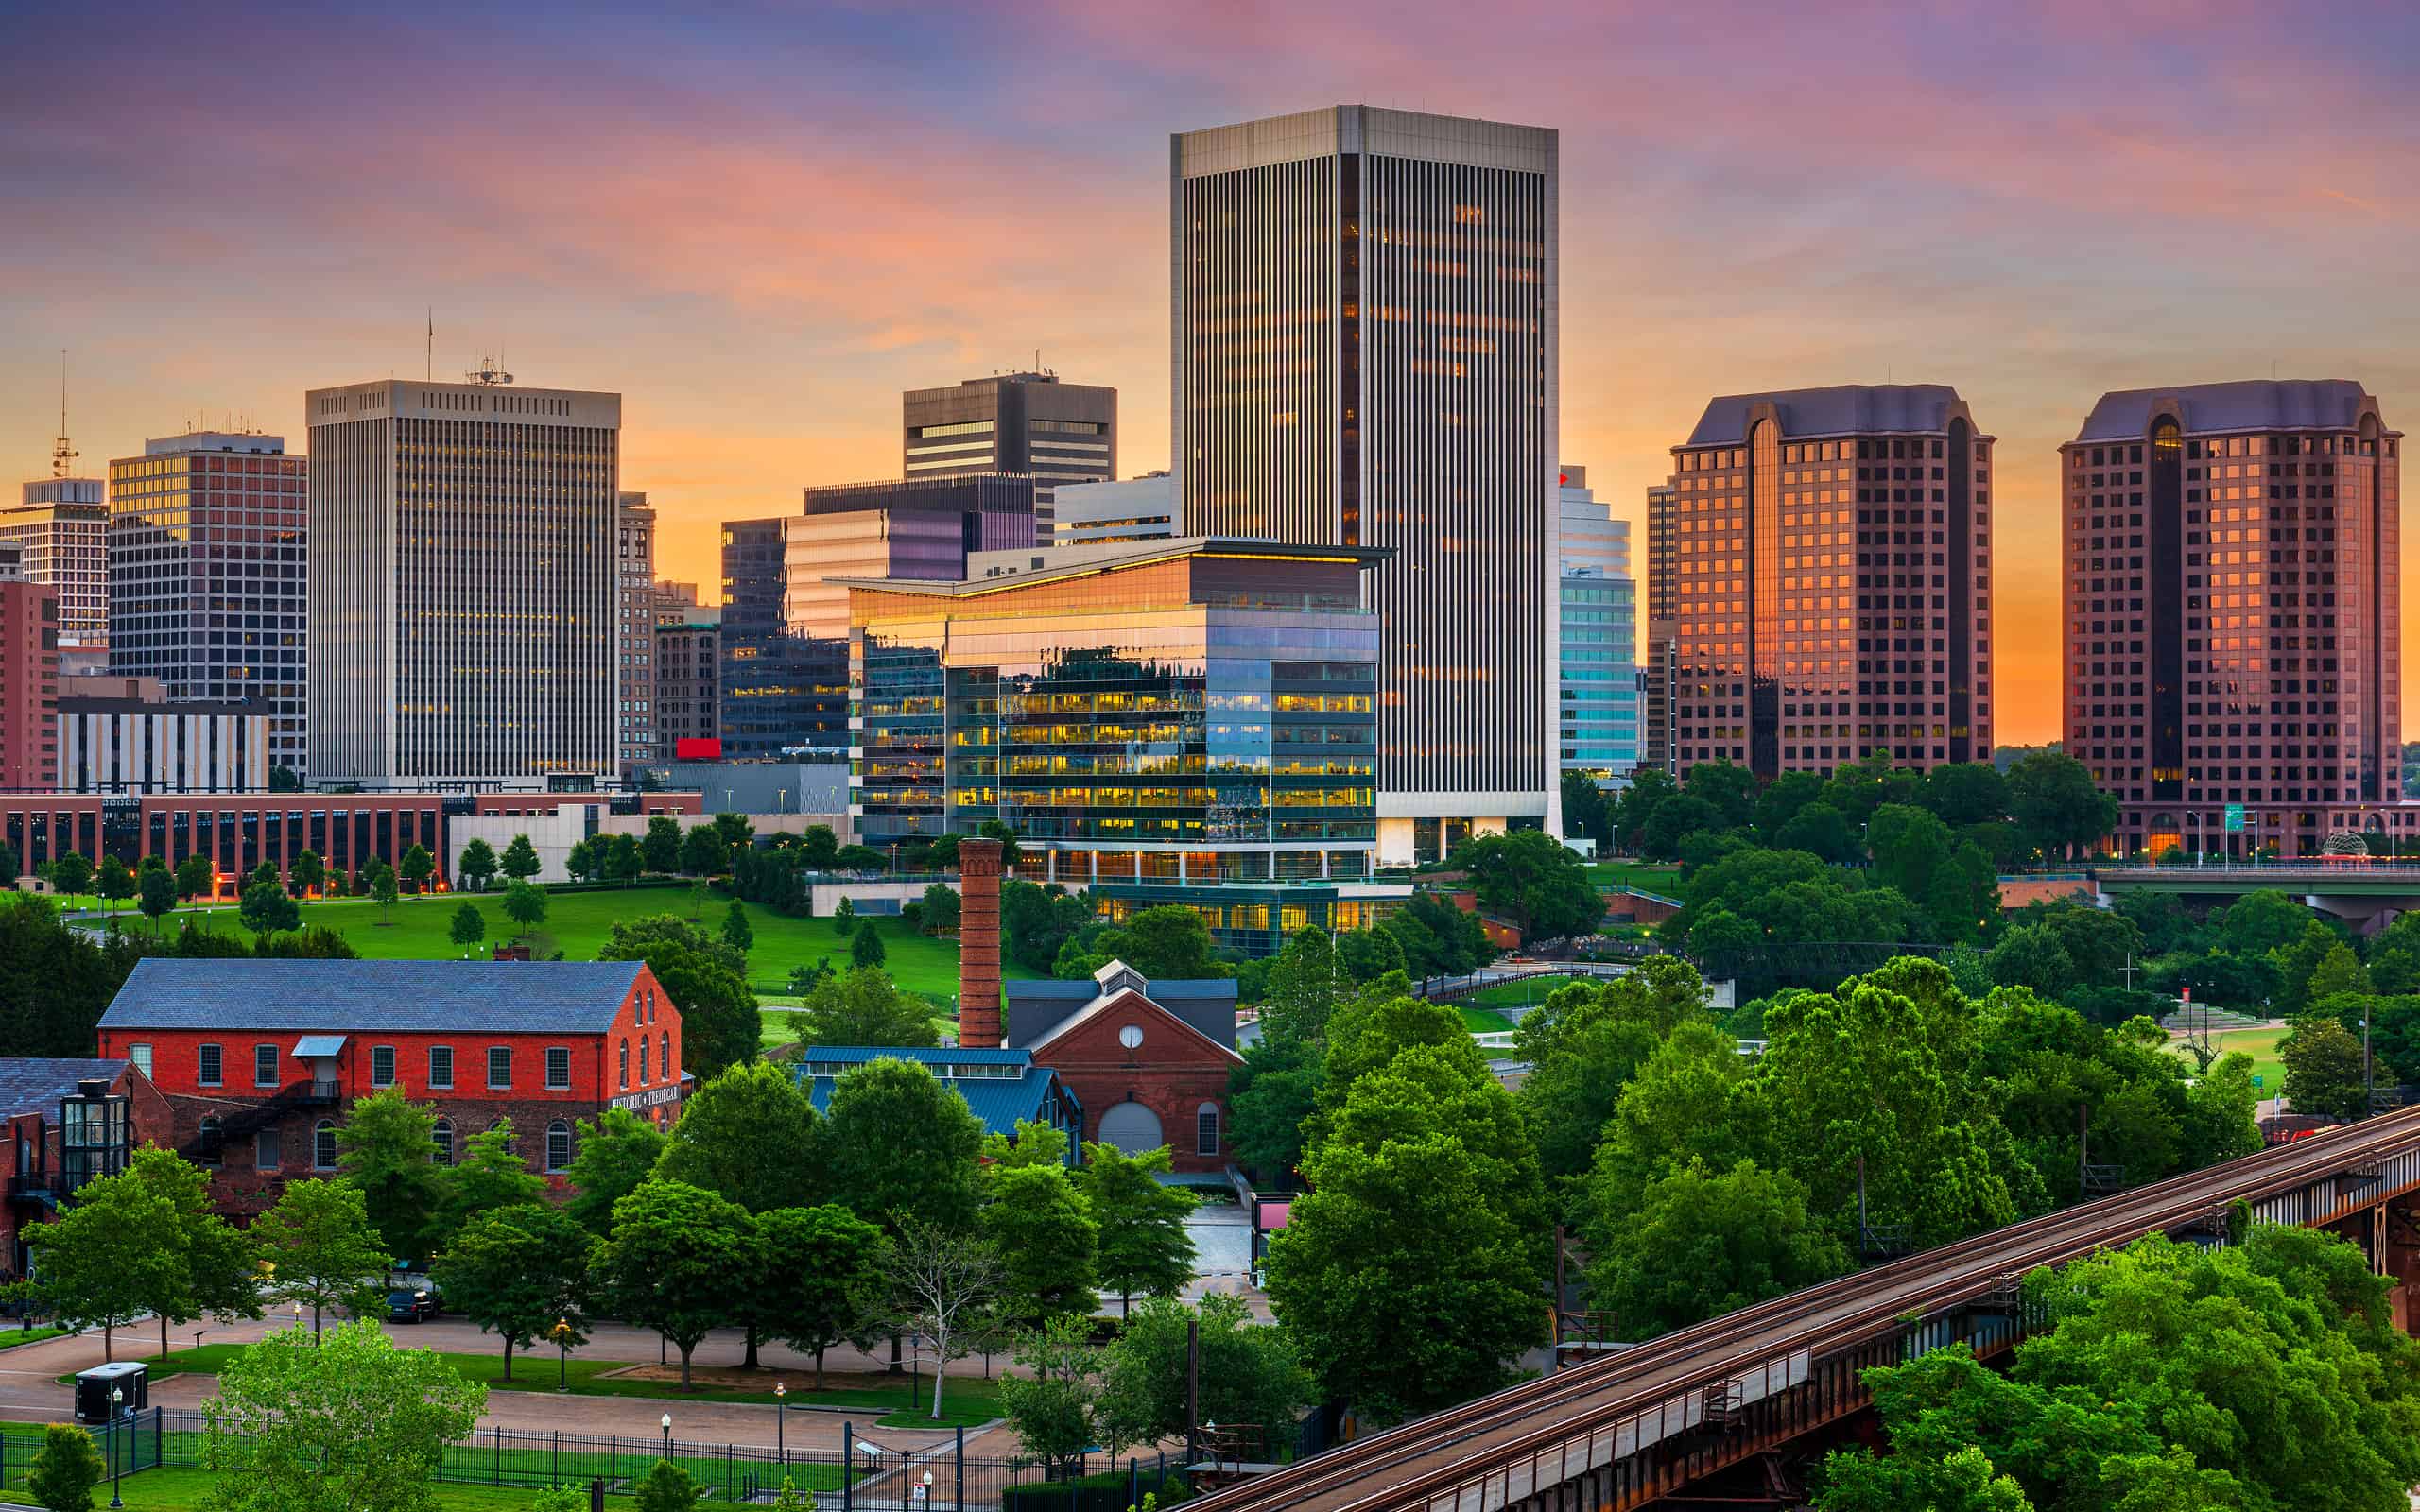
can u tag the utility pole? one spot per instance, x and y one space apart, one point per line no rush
1554 1346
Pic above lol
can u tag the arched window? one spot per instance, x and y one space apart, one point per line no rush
626 1065
440 1145
1205 1119
671 1073
557 1145
512 1144
643 1072
323 1144
210 1142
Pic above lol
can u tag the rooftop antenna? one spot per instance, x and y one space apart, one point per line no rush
62 455
428 372
489 372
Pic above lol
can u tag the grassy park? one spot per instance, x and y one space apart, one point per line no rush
2261 1045
171 1489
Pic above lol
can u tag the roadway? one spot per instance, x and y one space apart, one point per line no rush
1523 1441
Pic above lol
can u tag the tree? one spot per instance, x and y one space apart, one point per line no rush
519 1272
1270 1098
750 1136
1819 829
158 896
1171 943
307 873
824 1278
736 932
1585 812
2261 921
1705 1242
66 1469
2030 956
1142 1245
525 904
324 1252
660 849
344 1421
866 949
666 1487
707 979
1036 922
477 864
55 978
1964 793
940 909
898 1142
864 1007
382 1152
520 860
107 1258
817 844
1536 880
2057 804
1051 1409
2323 1063
938 1288
195 876
416 866
1391 1314
72 873
844 917
704 852
616 1151
1249 1373
114 881
381 878
470 926
491 1175
671 1263
585 859
1672 822
1043 1229
1585 1043
2338 971
624 859
285 779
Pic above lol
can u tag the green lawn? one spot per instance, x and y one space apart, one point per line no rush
1527 990
11 1338
1645 876
1484 1021
188 1490
2261 1045
578 924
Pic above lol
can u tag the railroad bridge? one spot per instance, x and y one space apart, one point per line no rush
1625 1430
2365 894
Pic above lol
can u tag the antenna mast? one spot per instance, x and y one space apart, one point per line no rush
489 372
428 372
62 455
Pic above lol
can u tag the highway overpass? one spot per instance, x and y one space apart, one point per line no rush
2364 894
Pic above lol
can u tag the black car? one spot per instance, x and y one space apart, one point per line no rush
411 1304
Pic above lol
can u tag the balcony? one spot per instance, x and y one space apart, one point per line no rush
34 1187
318 1091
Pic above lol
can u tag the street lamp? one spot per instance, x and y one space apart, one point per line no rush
781 1424
667 1436
117 1466
563 1354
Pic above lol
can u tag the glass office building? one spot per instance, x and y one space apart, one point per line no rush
1598 693
1189 721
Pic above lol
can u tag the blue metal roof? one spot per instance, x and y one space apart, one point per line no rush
403 997
943 1055
998 1101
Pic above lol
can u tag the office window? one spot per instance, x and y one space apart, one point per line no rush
499 1068
323 1144
382 1065
558 1069
1206 1129
557 1145
212 1065
440 1066
264 1065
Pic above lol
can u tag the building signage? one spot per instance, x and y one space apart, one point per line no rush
2235 819
652 1097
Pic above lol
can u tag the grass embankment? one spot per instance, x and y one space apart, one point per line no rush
578 923
1643 875
1483 1021
901 1405
188 1490
2260 1044
1523 993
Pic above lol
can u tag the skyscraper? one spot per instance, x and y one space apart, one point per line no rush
1597 717
209 575
1364 352
465 590
634 630
1833 564
28 690
63 524
1658 675
920 528
782 695
2233 625
1013 422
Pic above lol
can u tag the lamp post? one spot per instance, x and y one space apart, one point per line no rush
780 1424
563 1354
667 1436
117 1466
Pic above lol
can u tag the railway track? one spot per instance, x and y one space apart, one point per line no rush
1405 1467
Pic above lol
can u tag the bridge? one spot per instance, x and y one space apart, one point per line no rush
1625 1430
2360 892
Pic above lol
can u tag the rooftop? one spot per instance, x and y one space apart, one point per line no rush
1845 410
1060 563
35 1084
369 997
2250 404
1036 1010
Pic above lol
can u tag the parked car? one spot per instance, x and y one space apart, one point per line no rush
412 1304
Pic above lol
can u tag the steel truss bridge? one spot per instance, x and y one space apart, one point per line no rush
1625 1430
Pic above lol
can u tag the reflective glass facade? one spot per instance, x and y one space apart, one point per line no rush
1597 718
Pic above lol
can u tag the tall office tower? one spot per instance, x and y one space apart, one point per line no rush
1364 352
688 682
1834 572
634 630
1658 675
209 576
920 528
1597 713
463 584
2234 629
1016 422
29 686
782 695
63 524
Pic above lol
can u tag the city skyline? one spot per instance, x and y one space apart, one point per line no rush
771 250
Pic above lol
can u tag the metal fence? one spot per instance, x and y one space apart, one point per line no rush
885 1479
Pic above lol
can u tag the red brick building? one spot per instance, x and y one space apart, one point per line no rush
1148 1060
258 1060
28 678
63 1121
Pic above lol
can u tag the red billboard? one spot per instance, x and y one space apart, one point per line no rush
697 748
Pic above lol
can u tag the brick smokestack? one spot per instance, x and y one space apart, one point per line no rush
978 944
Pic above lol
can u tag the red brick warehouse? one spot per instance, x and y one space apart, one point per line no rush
259 1059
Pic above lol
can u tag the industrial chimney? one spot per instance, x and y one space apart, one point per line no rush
978 944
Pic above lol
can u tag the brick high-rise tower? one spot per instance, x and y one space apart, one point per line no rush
2234 631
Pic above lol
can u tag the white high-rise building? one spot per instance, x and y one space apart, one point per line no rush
464 585
63 524
1364 339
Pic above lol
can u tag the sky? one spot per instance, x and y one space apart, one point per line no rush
761 222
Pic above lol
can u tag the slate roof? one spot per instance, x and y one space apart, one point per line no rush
1841 410
2251 404
1036 1008
34 1084
370 997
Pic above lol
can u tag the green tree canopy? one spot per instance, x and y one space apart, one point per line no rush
382 1152
864 1007
1249 1373
822 1280
1042 1228
325 1253
616 1151
898 1142
1535 879
520 859
749 1135
266 908
476 866
661 847
66 1469
1143 1246
2323 1063
470 926
491 1175
674 1262
866 949
704 852
1704 1243
2057 804
520 1273
705 979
